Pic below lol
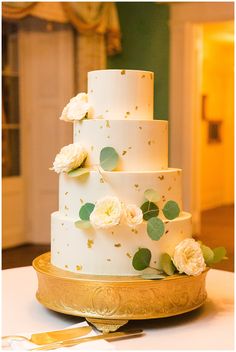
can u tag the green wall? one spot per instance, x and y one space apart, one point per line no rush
145 46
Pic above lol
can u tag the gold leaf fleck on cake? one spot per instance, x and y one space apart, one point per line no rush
112 232
140 128
117 245
107 110
101 180
66 207
122 72
108 124
136 185
58 252
90 243
108 136
167 231
129 255
161 178
91 91
167 222
134 231
78 131
154 262
92 147
66 193
163 198
68 244
124 152
81 200
62 224
143 76
169 188
136 107
127 113
129 147
109 260
178 172
79 267
149 142
66 266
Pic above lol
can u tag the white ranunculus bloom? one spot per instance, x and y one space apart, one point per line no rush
76 109
133 215
70 157
188 257
106 213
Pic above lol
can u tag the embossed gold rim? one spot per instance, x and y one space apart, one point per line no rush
116 299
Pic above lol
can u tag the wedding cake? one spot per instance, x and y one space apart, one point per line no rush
120 205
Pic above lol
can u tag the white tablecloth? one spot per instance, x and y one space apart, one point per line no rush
209 327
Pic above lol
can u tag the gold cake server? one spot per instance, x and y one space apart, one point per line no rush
53 336
73 342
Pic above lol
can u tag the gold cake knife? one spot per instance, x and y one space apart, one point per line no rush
53 336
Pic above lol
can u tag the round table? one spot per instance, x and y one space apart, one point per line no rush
209 327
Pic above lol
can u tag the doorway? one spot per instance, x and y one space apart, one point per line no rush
217 136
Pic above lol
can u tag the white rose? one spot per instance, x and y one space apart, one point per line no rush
106 213
70 157
188 257
133 215
76 109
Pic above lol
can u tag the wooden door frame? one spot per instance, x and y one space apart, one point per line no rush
186 21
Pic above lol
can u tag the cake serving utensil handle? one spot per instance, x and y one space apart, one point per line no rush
73 342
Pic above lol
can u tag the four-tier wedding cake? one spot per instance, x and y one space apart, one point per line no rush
120 206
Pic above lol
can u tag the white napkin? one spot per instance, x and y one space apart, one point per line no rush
93 345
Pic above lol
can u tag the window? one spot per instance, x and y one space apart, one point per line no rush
10 102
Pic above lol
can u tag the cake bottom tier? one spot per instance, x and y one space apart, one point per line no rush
110 252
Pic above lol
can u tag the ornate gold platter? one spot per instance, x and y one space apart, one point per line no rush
109 302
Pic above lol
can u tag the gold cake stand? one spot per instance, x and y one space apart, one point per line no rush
108 302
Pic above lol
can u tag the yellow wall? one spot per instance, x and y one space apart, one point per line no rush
217 160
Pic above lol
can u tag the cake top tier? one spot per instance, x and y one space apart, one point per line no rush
121 94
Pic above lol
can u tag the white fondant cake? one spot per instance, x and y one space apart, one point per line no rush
120 116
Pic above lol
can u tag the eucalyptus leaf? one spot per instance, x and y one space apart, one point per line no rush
208 254
171 210
149 210
155 228
219 254
78 172
86 210
152 195
153 276
141 259
167 264
83 224
108 158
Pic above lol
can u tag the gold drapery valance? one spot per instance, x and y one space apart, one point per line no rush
86 17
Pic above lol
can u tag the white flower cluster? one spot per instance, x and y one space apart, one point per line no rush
76 109
109 212
69 158
188 257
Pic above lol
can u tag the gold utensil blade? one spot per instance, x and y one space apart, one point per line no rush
73 342
49 337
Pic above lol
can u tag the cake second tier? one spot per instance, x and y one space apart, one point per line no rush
141 145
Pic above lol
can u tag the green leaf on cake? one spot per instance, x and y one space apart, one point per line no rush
155 228
141 259
153 276
219 254
171 210
86 210
166 264
149 210
152 195
83 224
109 158
78 172
208 254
